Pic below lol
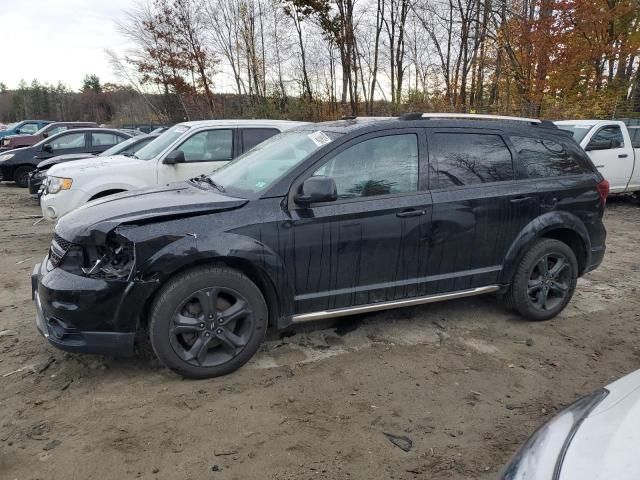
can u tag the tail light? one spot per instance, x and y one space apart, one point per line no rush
603 191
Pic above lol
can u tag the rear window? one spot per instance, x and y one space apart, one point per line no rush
542 157
634 133
459 159
253 136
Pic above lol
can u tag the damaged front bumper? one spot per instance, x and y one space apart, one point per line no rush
80 314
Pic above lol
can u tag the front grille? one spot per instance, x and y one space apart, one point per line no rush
35 182
59 248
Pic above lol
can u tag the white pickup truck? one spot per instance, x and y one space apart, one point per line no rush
184 151
614 149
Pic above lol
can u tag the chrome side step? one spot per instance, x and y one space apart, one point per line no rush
374 307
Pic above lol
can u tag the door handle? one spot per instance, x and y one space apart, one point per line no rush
599 166
623 155
521 199
410 213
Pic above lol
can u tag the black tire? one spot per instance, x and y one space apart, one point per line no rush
537 292
21 176
197 344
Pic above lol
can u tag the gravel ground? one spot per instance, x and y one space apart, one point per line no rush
466 381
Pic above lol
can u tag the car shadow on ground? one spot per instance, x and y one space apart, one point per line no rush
313 341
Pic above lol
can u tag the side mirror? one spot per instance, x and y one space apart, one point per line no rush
47 148
45 134
317 189
17 131
177 156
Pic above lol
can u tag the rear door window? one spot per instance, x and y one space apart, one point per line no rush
542 157
253 136
105 139
459 159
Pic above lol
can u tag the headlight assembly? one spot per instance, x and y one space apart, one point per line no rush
55 184
113 261
541 456
7 156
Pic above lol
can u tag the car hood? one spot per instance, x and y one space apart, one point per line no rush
604 447
93 221
24 139
18 154
91 164
63 158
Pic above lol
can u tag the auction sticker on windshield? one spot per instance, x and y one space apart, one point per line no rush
319 138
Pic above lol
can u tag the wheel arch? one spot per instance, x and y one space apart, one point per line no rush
182 252
562 226
21 165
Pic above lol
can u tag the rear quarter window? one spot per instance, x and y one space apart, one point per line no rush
542 157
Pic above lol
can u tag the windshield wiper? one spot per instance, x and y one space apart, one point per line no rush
204 178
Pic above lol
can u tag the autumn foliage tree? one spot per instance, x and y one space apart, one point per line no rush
315 59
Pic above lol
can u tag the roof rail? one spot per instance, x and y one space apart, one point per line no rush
477 116
356 117
481 116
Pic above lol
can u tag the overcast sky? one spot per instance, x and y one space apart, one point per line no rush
54 40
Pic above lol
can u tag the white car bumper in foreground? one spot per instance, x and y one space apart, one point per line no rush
58 204
595 438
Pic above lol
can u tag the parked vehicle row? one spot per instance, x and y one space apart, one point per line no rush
184 151
17 164
321 220
26 140
126 148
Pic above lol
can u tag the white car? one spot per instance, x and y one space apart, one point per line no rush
614 149
595 438
184 151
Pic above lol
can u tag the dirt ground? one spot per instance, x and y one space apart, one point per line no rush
465 381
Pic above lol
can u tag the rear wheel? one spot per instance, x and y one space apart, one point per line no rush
207 322
21 176
544 281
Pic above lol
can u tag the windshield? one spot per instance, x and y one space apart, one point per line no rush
155 147
122 146
49 138
41 131
260 167
579 131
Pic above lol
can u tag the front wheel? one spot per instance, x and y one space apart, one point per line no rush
21 176
544 281
207 322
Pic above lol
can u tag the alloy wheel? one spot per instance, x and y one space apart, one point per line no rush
211 326
549 282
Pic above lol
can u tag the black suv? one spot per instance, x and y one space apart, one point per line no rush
322 221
